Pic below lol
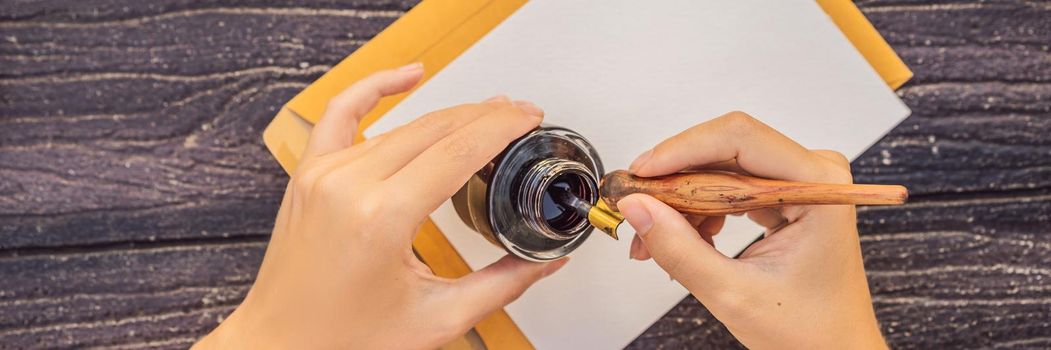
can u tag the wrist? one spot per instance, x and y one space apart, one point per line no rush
228 335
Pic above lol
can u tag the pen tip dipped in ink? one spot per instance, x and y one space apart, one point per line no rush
599 215
606 220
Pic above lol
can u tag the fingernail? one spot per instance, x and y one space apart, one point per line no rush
529 108
640 161
554 266
497 98
415 66
633 253
636 214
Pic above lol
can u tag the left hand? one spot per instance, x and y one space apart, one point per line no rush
340 271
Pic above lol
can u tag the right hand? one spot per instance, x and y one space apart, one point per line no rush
804 285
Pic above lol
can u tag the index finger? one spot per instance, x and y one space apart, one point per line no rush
757 148
436 174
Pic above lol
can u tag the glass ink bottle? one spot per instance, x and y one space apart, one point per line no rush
534 198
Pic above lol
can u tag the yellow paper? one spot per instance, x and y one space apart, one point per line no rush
867 40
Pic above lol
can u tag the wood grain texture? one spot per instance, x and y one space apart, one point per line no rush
136 195
719 193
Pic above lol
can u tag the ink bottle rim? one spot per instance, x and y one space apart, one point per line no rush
537 182
490 202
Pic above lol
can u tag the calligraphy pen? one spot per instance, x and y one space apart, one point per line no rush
715 193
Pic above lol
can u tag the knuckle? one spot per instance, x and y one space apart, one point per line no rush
840 175
328 185
836 157
365 210
739 117
369 143
838 166
467 107
370 209
513 123
301 185
338 104
437 123
494 104
359 97
739 122
460 147
304 179
839 157
737 114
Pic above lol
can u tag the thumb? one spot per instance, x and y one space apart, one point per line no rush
500 283
673 242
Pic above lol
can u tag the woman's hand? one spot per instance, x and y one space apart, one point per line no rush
340 271
803 286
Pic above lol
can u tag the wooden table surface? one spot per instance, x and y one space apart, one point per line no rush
136 196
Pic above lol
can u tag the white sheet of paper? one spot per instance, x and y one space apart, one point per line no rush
628 74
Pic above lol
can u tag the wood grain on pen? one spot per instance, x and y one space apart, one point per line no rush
721 193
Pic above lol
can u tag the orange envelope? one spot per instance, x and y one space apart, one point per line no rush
435 32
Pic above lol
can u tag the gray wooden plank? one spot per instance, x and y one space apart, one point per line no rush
158 293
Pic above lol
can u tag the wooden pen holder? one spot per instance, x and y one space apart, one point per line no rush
713 193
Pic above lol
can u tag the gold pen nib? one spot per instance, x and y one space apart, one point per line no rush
598 214
605 219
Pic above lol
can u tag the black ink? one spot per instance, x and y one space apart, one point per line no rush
558 212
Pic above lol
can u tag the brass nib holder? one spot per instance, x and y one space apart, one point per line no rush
599 214
605 219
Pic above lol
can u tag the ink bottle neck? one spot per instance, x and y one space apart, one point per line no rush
545 192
